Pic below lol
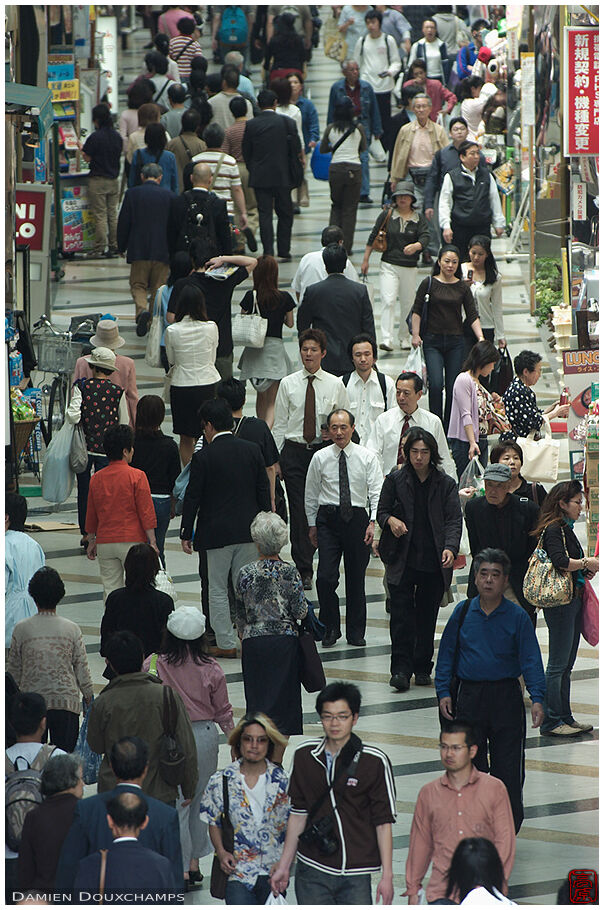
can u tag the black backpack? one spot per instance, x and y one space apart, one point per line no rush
198 223
381 380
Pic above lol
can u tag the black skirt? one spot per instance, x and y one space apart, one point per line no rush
271 680
185 402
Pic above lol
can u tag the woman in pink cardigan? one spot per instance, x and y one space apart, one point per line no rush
469 422
108 336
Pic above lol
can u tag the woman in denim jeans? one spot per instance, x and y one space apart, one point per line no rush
443 296
560 510
157 455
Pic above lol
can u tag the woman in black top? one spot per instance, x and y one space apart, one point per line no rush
510 453
138 607
156 455
285 52
265 367
442 336
559 512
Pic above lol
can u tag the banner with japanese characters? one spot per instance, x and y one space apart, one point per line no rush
581 91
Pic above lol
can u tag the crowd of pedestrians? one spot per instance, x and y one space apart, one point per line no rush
367 464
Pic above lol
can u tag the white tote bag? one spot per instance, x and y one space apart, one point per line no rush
152 351
249 329
540 457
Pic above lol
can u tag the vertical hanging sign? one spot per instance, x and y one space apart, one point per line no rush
581 91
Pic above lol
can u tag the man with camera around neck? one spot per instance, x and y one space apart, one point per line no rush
342 811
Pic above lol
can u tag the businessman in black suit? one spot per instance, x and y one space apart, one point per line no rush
133 873
227 488
338 306
268 142
142 233
90 830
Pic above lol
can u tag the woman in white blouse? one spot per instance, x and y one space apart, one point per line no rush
191 345
345 139
485 283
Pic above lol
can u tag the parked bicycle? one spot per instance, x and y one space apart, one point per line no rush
57 352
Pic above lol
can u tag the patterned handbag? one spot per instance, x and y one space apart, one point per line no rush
544 586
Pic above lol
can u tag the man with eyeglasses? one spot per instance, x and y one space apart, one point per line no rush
459 804
488 643
342 811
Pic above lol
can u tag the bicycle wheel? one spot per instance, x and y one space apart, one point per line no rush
56 405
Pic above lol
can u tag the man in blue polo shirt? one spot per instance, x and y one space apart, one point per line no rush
496 643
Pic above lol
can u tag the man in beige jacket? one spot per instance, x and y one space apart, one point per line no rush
414 149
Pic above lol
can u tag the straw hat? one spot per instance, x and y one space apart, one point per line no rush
107 335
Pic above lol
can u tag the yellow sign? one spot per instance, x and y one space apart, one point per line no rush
65 91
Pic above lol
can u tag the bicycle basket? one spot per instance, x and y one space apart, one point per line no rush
56 355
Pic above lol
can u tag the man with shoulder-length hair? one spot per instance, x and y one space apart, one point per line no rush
497 644
420 513
343 806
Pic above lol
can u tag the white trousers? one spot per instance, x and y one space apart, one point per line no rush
221 561
111 557
398 284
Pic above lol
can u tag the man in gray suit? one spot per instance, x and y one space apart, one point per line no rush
338 306
270 141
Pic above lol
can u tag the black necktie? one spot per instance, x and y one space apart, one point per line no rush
345 501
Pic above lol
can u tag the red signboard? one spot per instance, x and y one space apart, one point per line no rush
582 83
29 218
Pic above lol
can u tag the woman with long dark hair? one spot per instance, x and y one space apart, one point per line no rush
283 90
155 152
559 512
191 345
139 93
346 139
471 407
476 874
485 283
183 664
285 52
443 296
265 367
138 607
157 455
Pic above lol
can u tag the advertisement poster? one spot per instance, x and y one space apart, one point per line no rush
580 370
78 227
29 218
581 91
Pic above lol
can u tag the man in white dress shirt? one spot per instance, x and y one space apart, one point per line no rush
312 268
341 479
390 428
370 392
304 400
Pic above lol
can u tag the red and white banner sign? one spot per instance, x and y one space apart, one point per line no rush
581 91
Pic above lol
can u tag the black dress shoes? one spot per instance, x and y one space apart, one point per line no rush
331 638
400 682
357 642
423 679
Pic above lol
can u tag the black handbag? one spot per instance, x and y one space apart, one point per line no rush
502 374
218 878
312 624
312 675
454 683
423 323
171 756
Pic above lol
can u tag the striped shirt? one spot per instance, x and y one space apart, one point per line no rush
190 49
228 176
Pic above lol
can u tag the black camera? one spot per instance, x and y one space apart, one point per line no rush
321 835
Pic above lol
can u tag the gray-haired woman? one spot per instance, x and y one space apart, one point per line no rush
269 601
45 827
